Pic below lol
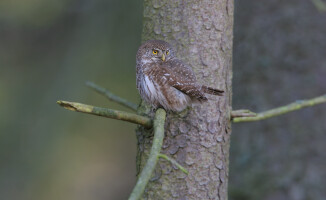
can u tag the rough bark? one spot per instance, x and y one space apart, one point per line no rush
201 32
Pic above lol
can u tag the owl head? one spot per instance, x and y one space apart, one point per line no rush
154 51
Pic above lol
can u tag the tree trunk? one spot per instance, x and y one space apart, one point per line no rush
198 139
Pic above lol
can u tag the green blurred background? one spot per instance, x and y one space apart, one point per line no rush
48 49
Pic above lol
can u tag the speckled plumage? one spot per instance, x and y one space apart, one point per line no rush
165 81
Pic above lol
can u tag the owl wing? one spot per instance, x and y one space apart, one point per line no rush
181 77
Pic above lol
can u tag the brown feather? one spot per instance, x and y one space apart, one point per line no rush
212 91
169 83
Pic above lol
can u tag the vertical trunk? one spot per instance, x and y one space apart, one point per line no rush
201 32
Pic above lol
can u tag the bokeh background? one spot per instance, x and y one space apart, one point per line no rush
48 49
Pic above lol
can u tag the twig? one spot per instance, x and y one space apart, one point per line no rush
109 113
171 160
147 171
111 96
283 109
242 113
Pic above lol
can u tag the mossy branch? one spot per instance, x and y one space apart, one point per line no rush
149 167
112 97
109 113
280 110
172 161
242 113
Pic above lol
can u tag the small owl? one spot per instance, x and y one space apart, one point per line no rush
165 81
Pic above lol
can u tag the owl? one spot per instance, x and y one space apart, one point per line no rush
165 81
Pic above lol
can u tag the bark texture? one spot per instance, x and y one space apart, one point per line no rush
201 32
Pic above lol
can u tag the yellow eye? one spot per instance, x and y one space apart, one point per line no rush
154 52
167 52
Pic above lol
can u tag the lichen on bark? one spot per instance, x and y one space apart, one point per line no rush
201 32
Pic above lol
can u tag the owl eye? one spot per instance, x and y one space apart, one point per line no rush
154 52
167 52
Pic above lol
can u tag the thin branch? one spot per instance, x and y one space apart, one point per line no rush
283 109
242 113
109 113
147 171
111 96
171 160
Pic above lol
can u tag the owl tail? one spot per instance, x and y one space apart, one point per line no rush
212 91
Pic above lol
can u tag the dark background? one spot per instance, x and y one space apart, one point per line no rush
279 57
48 49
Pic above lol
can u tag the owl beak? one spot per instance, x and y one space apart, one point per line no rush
163 57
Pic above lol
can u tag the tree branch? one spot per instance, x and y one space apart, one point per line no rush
147 171
111 96
282 110
171 160
109 113
242 113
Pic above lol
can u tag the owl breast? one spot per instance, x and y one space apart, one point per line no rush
159 94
